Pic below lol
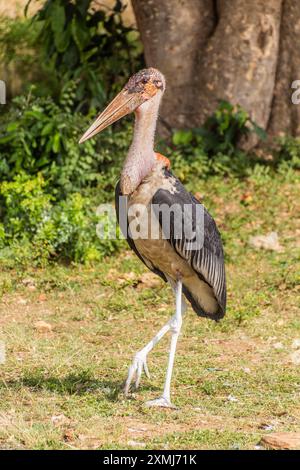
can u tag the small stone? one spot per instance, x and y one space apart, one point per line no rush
281 440
266 427
59 420
141 429
28 282
295 357
136 444
232 398
278 346
296 344
42 326
31 287
270 241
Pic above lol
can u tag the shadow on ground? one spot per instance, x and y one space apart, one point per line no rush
71 384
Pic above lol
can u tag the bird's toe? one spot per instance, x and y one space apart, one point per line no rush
161 402
135 371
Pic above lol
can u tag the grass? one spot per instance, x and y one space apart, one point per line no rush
233 381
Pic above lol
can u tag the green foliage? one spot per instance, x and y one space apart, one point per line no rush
43 217
36 228
16 42
10 34
21 60
226 127
25 203
91 46
38 135
214 148
288 155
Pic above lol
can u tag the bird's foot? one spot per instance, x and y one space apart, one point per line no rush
139 364
161 402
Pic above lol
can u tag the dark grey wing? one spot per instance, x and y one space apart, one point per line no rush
207 258
123 222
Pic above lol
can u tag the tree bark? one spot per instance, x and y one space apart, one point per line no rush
243 52
285 116
239 61
173 31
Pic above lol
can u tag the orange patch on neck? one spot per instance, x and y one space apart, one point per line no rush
166 162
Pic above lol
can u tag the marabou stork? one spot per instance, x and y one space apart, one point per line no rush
147 183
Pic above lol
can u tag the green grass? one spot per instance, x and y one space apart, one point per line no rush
62 389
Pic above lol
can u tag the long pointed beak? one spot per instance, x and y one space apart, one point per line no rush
124 103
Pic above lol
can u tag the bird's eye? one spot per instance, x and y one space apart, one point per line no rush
157 83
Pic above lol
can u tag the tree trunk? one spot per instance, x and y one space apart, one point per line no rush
173 32
238 63
234 50
285 116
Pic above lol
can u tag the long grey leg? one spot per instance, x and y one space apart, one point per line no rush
140 360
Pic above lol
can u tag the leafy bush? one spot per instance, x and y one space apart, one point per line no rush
214 148
91 46
224 130
288 154
16 44
38 135
37 228
20 59
43 217
70 40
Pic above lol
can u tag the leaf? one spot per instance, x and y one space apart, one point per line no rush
80 33
12 126
47 129
182 137
62 39
83 6
71 56
56 143
58 17
38 115
259 131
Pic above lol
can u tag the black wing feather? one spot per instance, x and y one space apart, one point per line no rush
208 261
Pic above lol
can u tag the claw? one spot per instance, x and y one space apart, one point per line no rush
161 402
139 364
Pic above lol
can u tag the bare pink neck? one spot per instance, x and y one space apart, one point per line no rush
140 158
